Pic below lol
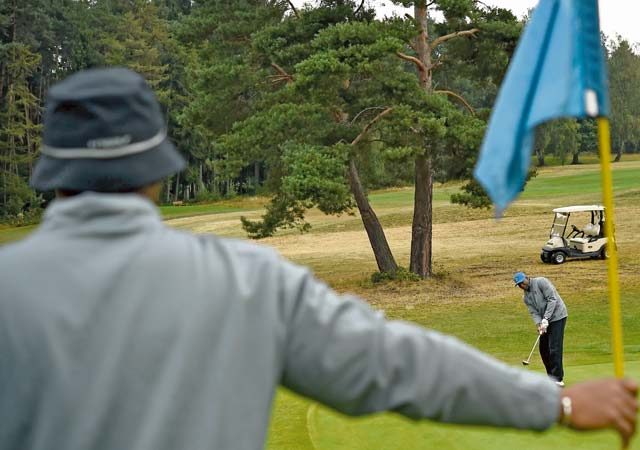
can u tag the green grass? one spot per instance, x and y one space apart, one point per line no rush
584 183
386 431
174 212
404 196
10 234
585 158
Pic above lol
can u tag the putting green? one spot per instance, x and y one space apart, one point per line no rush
330 430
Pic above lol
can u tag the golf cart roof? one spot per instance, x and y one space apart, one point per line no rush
579 208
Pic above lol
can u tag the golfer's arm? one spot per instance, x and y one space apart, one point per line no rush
534 314
549 295
343 354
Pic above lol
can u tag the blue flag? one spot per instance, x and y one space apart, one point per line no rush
558 70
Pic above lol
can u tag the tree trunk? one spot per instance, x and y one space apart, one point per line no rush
2 81
421 227
540 157
168 190
175 195
576 158
256 175
423 49
201 186
14 21
421 231
27 136
377 239
619 152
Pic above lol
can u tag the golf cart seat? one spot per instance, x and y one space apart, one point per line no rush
591 230
590 233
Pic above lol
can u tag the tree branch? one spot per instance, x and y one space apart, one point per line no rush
365 110
446 37
283 75
435 64
416 61
359 7
483 4
366 129
293 8
459 97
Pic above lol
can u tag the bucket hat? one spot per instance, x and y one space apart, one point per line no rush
104 131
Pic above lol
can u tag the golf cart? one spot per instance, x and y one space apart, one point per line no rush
567 240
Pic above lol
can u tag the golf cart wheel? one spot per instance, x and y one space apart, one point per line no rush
545 257
558 257
604 254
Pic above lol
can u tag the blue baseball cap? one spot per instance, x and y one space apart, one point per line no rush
104 131
519 277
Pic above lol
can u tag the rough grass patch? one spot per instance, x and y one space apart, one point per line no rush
401 274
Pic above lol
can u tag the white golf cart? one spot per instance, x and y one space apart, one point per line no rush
568 240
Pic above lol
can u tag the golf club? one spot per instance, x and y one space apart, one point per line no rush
525 362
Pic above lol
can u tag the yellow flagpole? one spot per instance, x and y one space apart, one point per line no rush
604 139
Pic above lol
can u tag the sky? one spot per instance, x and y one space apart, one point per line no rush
616 16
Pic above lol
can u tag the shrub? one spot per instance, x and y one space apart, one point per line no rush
401 274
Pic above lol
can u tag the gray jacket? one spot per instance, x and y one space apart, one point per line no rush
117 332
543 301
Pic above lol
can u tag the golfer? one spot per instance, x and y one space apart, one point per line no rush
117 332
549 313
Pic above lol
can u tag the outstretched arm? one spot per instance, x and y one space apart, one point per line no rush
346 355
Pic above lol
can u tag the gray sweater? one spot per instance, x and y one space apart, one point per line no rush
543 301
117 332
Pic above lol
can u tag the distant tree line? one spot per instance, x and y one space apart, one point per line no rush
312 107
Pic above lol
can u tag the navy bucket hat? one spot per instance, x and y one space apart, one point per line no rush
104 131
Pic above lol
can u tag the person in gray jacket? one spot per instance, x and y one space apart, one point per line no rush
549 313
118 332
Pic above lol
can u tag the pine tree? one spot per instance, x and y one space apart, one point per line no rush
19 134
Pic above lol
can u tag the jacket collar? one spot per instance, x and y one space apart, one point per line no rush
100 213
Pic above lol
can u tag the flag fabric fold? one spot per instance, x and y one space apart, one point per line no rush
558 70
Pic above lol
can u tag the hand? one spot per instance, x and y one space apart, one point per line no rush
608 403
542 326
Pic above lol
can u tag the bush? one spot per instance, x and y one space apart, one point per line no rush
401 274
205 196
29 217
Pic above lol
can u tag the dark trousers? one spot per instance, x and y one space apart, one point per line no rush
551 349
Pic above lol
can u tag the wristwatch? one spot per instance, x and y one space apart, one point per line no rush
567 409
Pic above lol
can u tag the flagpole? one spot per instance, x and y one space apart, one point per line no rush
604 139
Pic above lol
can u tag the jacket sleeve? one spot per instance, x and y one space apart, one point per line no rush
533 312
344 354
549 294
